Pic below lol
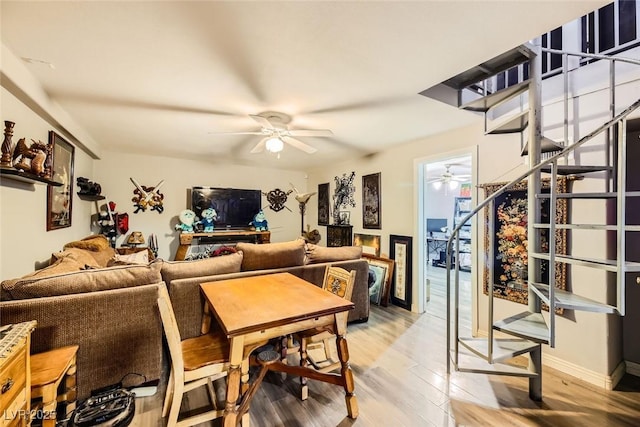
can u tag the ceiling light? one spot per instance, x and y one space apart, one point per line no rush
437 184
453 184
274 145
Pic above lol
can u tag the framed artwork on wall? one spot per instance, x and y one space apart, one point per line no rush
508 263
323 204
371 215
400 250
59 199
380 273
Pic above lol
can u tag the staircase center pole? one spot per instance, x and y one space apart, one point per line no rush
533 206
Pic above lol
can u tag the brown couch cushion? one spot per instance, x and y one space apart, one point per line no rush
76 282
271 255
172 270
317 254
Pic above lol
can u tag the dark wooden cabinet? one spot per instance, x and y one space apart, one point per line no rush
339 235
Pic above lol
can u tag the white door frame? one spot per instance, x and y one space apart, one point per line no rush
419 166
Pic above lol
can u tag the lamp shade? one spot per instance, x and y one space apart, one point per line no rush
135 238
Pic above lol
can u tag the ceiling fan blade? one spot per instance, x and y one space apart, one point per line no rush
434 180
262 121
236 133
310 132
259 148
299 145
460 178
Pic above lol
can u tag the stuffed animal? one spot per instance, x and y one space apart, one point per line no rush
260 221
187 218
209 215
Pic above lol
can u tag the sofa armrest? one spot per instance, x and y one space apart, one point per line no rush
118 331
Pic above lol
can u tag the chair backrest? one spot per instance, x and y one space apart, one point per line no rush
171 332
339 281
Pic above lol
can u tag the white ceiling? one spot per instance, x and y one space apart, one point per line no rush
161 77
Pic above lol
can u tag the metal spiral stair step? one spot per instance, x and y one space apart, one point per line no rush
571 301
503 348
604 195
488 102
514 124
547 145
469 362
576 169
527 325
609 227
601 264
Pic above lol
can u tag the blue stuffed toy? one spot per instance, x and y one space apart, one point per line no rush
209 215
187 218
260 221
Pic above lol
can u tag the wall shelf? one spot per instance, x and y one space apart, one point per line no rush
17 175
91 197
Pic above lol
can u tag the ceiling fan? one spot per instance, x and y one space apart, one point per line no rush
275 133
449 177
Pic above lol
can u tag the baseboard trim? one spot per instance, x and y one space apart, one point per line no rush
633 368
607 382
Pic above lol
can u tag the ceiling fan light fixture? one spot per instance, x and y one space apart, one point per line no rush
437 184
274 145
453 184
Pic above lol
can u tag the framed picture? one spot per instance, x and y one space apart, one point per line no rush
59 199
344 218
509 263
323 204
380 273
371 215
370 243
400 250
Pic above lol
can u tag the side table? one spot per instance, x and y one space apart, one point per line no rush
48 371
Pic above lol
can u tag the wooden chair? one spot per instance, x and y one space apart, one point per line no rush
194 362
340 282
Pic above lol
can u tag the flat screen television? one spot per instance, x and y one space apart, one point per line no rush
235 207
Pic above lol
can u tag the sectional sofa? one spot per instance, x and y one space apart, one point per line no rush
111 311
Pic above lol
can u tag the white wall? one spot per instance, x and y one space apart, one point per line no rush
114 170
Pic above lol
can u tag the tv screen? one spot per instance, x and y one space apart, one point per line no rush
235 207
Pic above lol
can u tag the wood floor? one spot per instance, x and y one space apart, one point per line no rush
399 362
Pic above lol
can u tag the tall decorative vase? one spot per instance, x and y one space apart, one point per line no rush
7 144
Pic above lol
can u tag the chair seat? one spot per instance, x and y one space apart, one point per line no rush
316 331
50 366
205 350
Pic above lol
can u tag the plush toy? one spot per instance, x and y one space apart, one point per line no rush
187 218
260 221
209 215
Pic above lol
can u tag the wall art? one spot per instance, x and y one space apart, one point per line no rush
380 273
401 252
323 204
370 243
509 259
371 215
343 195
60 199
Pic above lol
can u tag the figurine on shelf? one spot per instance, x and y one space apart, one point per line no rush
108 227
7 144
209 215
260 221
187 218
34 159
87 187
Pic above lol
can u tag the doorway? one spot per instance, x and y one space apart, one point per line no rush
446 192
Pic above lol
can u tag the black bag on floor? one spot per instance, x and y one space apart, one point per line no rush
110 408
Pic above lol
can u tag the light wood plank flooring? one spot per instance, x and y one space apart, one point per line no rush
399 360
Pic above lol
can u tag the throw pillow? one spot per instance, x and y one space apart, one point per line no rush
141 257
271 255
317 254
173 270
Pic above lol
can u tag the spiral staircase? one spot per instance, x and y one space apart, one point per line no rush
525 333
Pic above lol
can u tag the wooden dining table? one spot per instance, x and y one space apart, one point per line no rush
252 310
